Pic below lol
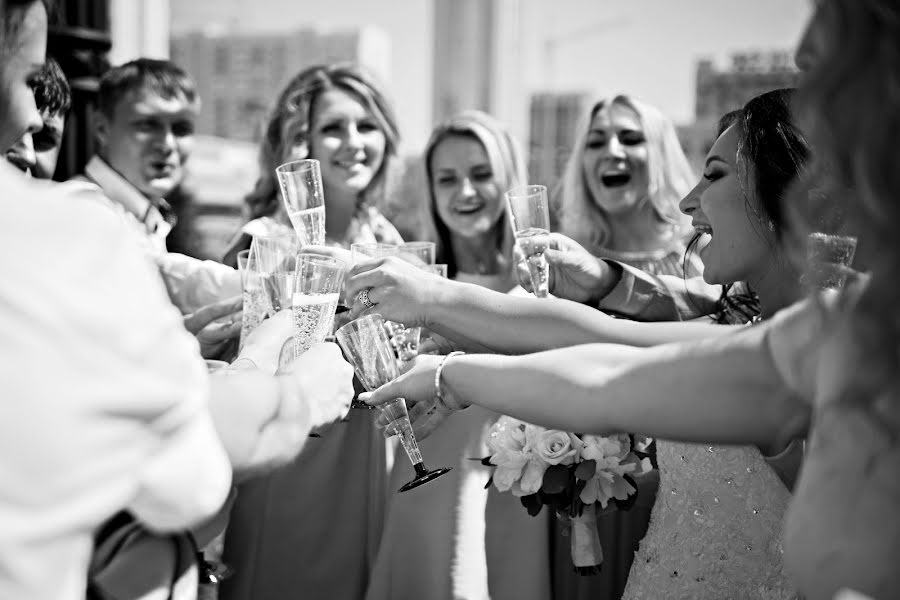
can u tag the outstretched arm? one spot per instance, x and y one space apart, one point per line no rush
724 390
501 322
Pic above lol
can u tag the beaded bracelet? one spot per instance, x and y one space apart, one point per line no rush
438 396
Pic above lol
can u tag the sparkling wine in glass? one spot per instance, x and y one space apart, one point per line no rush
304 199
317 287
255 305
366 345
530 217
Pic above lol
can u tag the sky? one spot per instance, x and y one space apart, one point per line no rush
643 47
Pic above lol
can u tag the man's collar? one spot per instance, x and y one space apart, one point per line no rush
117 188
120 190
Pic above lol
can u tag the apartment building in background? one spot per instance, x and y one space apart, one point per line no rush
239 76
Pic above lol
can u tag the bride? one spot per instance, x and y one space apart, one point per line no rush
720 506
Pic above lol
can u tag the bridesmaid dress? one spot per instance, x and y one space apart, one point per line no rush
311 528
453 539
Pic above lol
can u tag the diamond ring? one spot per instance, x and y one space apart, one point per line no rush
363 297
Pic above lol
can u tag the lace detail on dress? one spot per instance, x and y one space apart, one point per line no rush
715 531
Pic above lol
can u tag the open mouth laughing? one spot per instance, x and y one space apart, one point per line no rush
615 179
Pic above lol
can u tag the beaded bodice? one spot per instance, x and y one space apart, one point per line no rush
715 530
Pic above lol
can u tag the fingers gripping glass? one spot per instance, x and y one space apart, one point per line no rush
366 344
530 217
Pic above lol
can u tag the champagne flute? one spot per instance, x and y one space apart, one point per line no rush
301 189
363 252
530 217
252 290
275 255
399 335
366 344
418 253
317 285
406 340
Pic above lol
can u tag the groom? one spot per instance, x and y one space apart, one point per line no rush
144 130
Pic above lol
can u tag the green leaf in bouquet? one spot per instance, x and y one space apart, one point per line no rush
585 470
486 461
489 482
628 502
556 479
532 503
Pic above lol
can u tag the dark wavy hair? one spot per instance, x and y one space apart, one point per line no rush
291 118
51 89
772 154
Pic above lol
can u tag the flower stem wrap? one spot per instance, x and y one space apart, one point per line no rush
587 555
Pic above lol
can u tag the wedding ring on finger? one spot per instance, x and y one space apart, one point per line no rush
363 297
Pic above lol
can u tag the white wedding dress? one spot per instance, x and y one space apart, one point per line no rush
715 530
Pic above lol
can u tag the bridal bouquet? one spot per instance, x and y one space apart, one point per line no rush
569 473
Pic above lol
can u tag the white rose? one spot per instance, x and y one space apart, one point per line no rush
558 447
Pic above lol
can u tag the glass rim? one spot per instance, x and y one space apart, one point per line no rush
275 236
373 245
356 323
295 166
524 191
418 244
320 259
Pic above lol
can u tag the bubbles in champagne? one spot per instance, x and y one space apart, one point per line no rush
309 225
533 242
255 307
313 319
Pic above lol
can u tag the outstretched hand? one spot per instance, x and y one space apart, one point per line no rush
416 386
396 289
575 274
215 324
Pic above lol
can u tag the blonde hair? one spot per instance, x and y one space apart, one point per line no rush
670 175
507 166
291 118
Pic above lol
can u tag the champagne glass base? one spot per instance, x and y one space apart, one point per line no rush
423 477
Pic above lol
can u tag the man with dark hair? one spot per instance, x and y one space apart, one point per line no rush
144 129
38 152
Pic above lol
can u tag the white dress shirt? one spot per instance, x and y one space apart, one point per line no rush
191 283
104 394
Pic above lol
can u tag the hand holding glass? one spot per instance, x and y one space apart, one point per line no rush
529 214
366 344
